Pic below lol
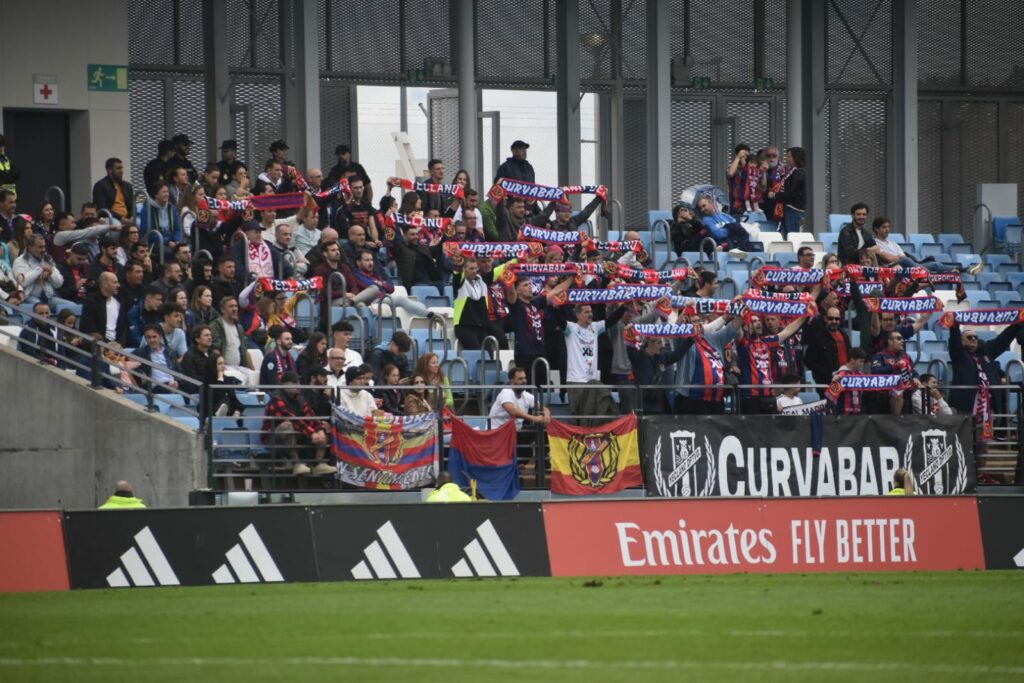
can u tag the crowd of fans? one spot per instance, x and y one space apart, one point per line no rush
171 280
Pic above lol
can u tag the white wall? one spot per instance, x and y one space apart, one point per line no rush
62 37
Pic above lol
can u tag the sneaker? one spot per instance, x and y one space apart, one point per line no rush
300 469
976 268
322 468
738 253
222 410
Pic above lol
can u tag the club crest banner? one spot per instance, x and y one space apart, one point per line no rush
775 456
385 451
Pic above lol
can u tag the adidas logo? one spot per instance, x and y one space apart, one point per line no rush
138 573
240 565
481 565
388 545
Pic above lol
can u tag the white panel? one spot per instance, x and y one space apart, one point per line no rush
240 563
399 554
462 570
136 569
497 549
478 559
361 571
260 555
379 561
223 575
155 556
117 579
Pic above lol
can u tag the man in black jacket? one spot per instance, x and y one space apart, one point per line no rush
649 367
828 346
346 167
113 193
156 170
182 147
974 365
516 166
856 236
101 312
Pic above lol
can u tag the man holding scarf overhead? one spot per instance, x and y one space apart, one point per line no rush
974 365
702 365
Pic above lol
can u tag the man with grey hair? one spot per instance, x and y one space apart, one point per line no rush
36 271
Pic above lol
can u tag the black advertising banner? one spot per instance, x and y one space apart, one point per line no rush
189 547
782 456
1002 531
430 541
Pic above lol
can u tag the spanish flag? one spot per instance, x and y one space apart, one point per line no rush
586 460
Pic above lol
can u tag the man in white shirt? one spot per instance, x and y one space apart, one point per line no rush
353 397
516 403
341 336
582 365
928 399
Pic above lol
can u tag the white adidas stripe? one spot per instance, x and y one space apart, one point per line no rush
239 563
479 564
381 553
138 573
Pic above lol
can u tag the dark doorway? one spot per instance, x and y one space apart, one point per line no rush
37 142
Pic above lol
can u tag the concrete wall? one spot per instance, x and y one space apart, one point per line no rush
64 445
62 37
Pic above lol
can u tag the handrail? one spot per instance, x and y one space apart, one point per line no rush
547 373
465 383
942 364
1013 363
380 316
107 214
290 258
160 239
62 204
438 322
304 296
654 242
714 249
613 203
493 341
96 357
750 265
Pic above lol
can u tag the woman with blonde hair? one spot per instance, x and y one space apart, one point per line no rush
429 368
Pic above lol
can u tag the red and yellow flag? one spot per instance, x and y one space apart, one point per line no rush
602 459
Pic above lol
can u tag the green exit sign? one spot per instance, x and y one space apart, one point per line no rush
108 77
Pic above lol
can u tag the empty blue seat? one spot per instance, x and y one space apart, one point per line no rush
919 239
614 235
930 249
1016 280
966 260
897 237
949 239
960 250
421 292
988 303
827 237
1007 268
1008 299
988 278
996 260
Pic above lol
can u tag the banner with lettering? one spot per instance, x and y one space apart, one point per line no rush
775 456
385 451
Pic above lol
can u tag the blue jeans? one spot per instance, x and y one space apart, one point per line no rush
792 221
931 266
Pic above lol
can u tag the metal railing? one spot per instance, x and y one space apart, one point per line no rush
55 195
89 360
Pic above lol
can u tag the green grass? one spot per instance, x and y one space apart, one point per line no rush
839 627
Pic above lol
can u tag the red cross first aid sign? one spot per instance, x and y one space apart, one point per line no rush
44 89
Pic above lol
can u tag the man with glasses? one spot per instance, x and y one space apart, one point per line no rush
805 258
827 345
883 324
893 360
974 365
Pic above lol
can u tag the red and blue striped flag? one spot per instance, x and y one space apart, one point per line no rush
489 457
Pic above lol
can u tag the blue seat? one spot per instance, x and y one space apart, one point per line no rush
170 400
437 301
988 303
472 358
960 250
654 216
457 373
897 237
1006 358
976 296
988 278
836 221
1008 299
918 239
229 441
1016 281
786 258
928 249
741 278
76 308
947 239
614 235
827 237
966 260
179 411
421 292
934 346
249 398
1008 268
189 421
996 260
986 335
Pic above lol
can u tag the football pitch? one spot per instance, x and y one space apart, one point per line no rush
836 627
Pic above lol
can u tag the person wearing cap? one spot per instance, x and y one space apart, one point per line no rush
516 166
75 279
229 163
279 152
353 397
156 169
291 426
113 192
123 499
182 147
261 261
347 167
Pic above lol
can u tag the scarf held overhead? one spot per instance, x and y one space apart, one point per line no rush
519 188
271 285
274 202
987 316
429 188
904 305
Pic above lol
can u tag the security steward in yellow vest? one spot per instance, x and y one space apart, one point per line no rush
123 499
448 491
8 174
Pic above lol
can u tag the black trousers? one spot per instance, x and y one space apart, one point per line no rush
692 406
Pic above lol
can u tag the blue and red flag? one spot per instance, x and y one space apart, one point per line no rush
489 457
385 451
